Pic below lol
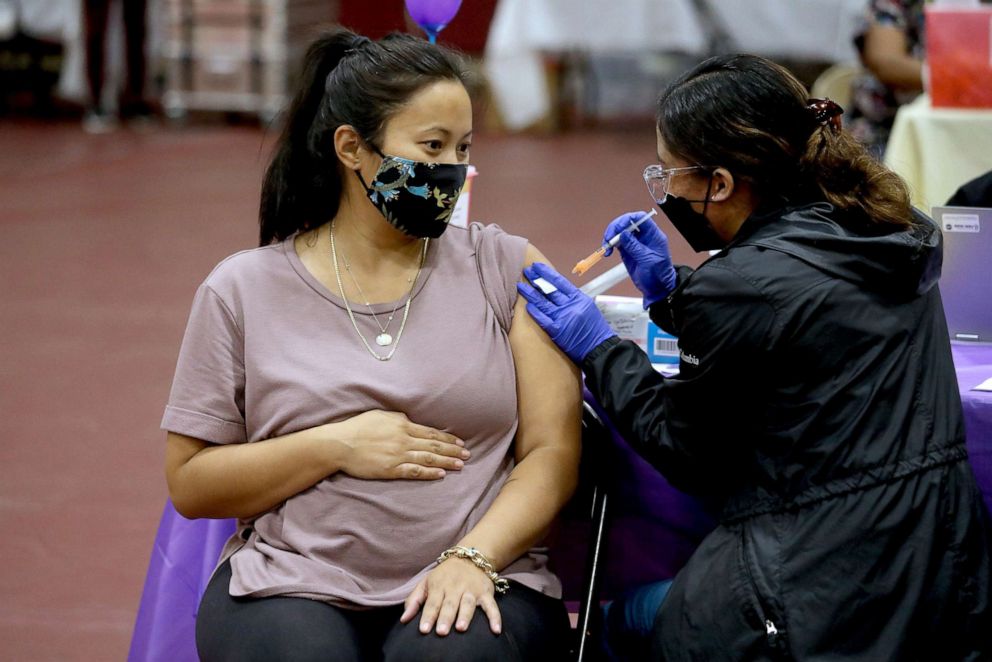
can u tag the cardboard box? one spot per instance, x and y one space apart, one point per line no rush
268 28
626 316
228 74
959 56
236 55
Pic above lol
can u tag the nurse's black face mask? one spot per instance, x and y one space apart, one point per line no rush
416 197
691 224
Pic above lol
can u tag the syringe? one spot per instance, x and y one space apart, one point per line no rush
583 266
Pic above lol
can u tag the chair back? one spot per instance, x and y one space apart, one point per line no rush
835 84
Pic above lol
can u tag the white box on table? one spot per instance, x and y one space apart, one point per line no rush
626 316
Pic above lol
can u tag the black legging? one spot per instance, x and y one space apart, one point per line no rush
97 14
535 627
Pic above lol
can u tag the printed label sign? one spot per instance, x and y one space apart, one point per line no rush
960 223
662 347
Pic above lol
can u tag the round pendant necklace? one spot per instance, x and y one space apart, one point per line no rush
383 339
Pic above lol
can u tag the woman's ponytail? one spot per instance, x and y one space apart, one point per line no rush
301 190
850 178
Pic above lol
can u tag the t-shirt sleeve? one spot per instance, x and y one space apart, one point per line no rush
890 13
207 397
500 259
885 13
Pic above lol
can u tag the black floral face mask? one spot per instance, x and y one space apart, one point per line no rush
416 198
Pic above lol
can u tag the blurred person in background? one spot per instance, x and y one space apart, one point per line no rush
132 104
974 193
891 44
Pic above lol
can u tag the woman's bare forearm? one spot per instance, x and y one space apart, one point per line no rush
900 72
535 492
245 480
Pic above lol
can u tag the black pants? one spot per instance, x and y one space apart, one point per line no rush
97 13
535 627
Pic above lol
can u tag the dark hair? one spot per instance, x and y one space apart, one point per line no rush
346 79
750 116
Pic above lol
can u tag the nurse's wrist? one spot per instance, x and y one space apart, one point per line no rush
592 339
650 301
664 286
599 350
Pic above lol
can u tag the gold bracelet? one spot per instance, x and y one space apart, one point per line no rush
480 561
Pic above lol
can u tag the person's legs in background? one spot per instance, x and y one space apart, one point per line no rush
96 15
133 102
629 620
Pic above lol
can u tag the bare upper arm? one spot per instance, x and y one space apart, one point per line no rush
885 41
886 54
549 391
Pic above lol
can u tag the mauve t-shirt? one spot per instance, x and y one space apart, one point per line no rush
268 351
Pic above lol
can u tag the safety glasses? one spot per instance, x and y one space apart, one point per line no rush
658 178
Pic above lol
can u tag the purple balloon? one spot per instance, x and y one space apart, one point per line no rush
433 15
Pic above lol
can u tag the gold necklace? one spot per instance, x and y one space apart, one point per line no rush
383 339
351 315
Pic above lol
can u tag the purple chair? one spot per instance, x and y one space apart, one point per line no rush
184 556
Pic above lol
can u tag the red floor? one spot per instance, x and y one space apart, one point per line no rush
104 240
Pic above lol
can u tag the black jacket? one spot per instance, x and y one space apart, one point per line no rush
817 401
975 193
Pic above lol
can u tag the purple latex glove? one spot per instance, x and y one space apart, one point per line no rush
570 317
645 253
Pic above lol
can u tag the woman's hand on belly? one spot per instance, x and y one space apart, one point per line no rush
450 594
388 445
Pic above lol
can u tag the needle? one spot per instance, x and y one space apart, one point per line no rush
583 266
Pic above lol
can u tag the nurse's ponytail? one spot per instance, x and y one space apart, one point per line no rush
752 117
851 178
346 79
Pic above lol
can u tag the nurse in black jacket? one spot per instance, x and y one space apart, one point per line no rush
816 398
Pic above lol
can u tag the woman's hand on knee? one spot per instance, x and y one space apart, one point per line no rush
388 445
449 595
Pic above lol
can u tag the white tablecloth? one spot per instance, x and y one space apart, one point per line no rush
936 150
798 29
523 29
